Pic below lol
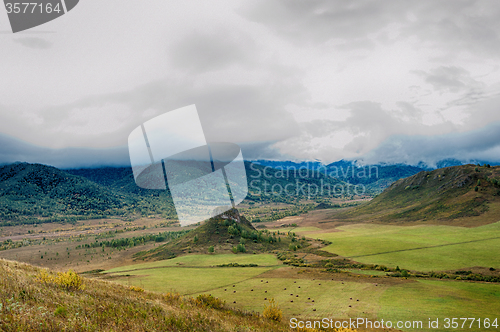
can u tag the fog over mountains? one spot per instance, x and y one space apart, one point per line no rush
15 150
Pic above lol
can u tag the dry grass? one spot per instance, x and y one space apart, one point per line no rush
30 302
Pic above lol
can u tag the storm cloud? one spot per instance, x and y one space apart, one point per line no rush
386 81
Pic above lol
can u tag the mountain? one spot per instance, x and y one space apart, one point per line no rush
373 178
376 176
120 179
284 164
227 232
33 193
264 182
441 195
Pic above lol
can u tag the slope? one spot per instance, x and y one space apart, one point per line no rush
34 299
446 194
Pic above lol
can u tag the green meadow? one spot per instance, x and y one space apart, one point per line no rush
194 273
305 297
442 299
421 248
205 260
374 297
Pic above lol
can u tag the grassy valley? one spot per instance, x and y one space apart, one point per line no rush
424 248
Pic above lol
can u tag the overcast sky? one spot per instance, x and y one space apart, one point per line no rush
378 81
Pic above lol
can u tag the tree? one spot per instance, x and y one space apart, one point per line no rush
211 249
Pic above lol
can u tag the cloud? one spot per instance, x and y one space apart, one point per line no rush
229 112
461 26
367 126
319 21
263 150
447 26
450 79
13 150
34 42
200 52
290 79
479 144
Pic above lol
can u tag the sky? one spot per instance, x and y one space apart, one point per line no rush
375 81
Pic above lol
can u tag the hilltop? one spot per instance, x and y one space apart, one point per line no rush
443 195
227 232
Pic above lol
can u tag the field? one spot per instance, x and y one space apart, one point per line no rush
193 274
313 293
306 293
441 299
420 248
302 292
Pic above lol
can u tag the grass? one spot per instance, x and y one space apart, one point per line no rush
188 280
294 229
418 300
205 260
399 245
27 304
331 298
372 297
440 299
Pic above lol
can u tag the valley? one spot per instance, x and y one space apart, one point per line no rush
338 257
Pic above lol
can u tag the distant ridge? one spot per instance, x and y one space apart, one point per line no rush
442 195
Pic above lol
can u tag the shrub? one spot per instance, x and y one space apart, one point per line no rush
70 280
207 300
60 311
272 311
136 289
211 249
172 297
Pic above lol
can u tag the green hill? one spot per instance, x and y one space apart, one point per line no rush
228 232
35 299
34 193
441 195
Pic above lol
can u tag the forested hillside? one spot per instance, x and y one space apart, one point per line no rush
34 193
